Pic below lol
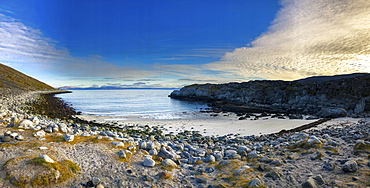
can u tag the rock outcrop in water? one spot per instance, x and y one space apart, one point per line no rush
331 96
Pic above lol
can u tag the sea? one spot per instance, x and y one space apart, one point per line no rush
127 103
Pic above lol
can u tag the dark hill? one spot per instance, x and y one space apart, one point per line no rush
319 79
13 79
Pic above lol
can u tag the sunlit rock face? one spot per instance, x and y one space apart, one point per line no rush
307 37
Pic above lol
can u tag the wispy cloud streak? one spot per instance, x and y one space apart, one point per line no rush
308 37
23 44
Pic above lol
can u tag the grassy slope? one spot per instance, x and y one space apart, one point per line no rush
10 78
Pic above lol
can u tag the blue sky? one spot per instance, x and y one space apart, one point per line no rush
171 43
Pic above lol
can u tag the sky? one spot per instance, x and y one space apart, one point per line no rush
172 43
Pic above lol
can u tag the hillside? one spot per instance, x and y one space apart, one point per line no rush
334 96
13 79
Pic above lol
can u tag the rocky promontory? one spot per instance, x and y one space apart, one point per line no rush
330 96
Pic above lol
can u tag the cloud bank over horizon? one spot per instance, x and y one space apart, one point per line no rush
307 38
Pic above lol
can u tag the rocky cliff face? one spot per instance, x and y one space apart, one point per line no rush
323 96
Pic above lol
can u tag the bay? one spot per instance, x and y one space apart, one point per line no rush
126 103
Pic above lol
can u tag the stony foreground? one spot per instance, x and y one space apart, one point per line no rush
37 151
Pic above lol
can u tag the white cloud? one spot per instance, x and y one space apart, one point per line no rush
308 37
21 44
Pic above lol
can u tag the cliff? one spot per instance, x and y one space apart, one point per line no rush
333 96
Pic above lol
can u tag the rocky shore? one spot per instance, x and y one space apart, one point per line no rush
326 97
42 144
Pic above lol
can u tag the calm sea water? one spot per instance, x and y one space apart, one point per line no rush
130 102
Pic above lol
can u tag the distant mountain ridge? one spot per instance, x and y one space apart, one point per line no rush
327 96
110 88
13 79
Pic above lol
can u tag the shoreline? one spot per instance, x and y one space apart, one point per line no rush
133 154
220 125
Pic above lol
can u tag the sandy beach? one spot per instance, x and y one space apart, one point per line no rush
220 125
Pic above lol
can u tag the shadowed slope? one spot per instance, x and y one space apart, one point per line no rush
11 78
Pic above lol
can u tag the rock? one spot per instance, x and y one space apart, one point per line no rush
273 174
256 182
47 158
210 159
350 166
143 145
201 180
99 186
49 129
276 162
69 138
229 153
63 127
313 182
118 144
313 140
242 170
252 155
165 154
122 154
20 137
153 152
148 161
360 107
164 175
35 120
169 163
40 133
26 124
329 166
13 135
95 181
7 139
332 112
